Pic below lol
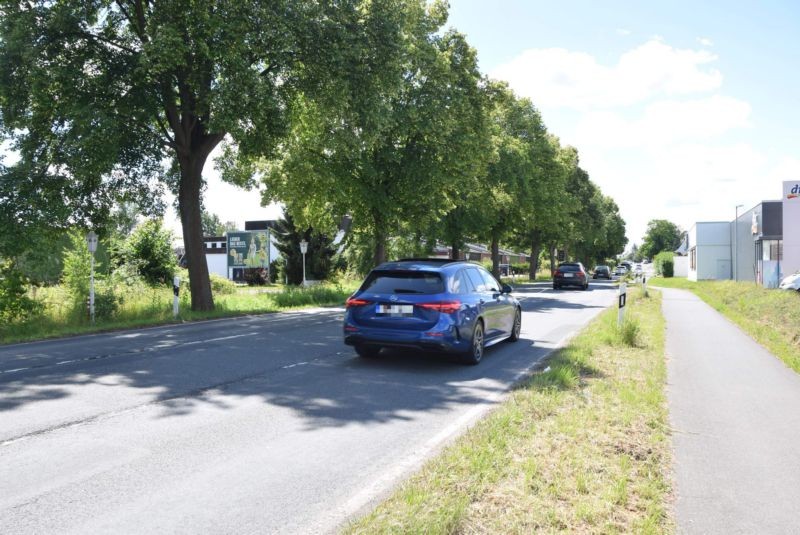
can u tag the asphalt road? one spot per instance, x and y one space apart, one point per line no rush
263 424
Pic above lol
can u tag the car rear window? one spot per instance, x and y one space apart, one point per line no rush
569 267
403 282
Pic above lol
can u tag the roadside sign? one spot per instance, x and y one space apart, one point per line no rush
248 249
623 298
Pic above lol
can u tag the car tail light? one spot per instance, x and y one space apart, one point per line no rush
448 307
557 273
355 302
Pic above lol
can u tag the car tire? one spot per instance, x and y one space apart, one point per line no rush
585 287
517 327
555 286
367 351
477 345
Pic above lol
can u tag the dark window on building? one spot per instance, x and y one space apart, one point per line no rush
693 259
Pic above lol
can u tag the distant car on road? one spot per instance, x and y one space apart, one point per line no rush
792 282
571 274
431 304
620 271
602 272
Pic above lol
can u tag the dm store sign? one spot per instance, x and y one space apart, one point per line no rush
791 228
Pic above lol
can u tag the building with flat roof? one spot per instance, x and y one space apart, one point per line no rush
709 244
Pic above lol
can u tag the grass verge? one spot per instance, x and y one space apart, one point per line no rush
771 317
154 307
582 447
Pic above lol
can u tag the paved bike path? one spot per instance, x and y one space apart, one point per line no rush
735 413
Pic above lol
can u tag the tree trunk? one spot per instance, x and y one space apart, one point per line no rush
191 221
455 250
552 260
496 256
536 249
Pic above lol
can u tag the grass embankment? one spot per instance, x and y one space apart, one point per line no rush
771 317
582 447
153 306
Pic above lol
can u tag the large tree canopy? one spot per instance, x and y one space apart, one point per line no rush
661 235
399 143
95 94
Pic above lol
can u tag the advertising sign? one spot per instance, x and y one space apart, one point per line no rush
791 228
248 249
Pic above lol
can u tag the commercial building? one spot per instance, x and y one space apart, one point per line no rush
761 245
758 244
709 244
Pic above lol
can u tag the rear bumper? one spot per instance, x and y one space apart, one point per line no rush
442 339
580 283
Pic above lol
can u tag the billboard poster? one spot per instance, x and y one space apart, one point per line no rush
791 228
248 249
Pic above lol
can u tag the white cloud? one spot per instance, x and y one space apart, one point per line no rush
559 78
705 41
664 122
623 31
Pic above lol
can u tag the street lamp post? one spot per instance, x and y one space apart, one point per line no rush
91 243
304 250
736 244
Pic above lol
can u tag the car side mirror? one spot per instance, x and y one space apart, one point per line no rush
507 289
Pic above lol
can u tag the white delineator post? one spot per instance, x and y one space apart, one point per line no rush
623 296
176 288
91 243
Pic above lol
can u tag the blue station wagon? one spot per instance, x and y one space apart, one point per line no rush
431 304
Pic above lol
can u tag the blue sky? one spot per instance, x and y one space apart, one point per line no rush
680 110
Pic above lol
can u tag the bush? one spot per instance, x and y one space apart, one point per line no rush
149 248
15 305
628 333
77 265
316 295
221 285
665 264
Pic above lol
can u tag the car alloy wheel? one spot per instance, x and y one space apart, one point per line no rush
475 353
517 326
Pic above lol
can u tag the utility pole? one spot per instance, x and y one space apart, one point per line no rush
736 244
304 250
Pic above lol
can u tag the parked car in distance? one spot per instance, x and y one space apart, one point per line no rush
620 271
602 272
571 274
431 304
792 282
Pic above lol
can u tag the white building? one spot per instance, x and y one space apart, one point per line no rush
710 251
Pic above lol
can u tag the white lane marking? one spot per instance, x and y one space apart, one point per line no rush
212 340
293 365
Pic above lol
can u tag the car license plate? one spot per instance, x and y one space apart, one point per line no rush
395 309
568 275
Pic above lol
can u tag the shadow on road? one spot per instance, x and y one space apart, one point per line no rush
299 363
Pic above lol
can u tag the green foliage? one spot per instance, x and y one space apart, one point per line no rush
149 248
318 256
77 267
221 285
664 264
293 297
15 305
629 333
96 95
393 152
661 235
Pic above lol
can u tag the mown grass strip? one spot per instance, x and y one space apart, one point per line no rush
582 447
771 317
155 308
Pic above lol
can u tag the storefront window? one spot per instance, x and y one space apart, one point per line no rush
772 250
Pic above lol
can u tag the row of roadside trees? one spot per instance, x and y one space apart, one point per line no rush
357 107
